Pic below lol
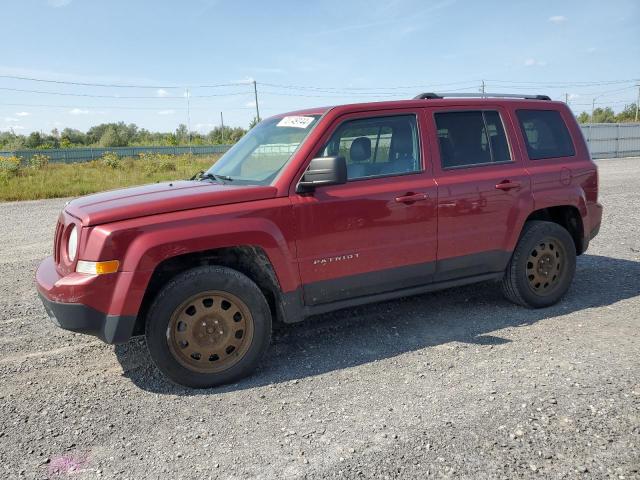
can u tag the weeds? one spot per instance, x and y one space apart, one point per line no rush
111 160
39 178
38 161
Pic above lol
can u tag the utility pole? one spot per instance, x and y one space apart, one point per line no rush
188 94
222 123
255 92
638 102
593 107
482 88
566 98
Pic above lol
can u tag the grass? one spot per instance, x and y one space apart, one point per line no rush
41 179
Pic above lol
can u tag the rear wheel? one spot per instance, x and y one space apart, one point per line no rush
542 266
208 326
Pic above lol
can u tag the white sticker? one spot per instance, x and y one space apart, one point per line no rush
295 121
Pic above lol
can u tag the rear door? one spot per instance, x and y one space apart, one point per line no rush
484 190
377 232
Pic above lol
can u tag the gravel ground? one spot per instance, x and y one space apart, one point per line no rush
455 384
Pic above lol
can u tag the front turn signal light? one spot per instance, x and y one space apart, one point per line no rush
97 268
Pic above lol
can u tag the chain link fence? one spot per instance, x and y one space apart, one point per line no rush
73 155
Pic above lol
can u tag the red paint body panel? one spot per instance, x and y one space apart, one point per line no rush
462 214
156 198
473 215
362 217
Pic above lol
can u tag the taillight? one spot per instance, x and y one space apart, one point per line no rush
56 241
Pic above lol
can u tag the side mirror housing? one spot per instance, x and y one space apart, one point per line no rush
323 171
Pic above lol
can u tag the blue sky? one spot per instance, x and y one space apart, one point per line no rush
301 54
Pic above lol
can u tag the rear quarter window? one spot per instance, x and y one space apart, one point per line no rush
545 134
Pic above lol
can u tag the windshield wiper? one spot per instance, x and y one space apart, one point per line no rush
201 175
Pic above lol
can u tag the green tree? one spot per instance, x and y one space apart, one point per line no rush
628 114
171 139
182 134
604 115
584 117
34 140
111 138
72 137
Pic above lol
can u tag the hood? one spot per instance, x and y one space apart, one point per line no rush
156 198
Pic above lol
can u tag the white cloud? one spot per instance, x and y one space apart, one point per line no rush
161 92
22 114
11 119
166 112
558 19
251 104
573 96
532 62
78 111
13 127
58 3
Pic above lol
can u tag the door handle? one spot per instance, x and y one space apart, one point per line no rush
508 185
412 197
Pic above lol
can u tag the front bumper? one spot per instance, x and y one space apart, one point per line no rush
78 302
80 318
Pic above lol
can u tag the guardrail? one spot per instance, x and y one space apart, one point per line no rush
73 155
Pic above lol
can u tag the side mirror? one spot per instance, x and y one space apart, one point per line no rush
323 171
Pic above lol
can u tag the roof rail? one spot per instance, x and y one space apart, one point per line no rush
433 96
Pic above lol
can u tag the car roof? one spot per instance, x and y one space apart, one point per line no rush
475 102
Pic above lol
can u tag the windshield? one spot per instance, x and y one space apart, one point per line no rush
264 150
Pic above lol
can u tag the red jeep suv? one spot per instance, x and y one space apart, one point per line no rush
326 208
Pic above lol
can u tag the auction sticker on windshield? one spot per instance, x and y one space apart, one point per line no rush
295 121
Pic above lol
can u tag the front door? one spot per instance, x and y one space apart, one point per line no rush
377 232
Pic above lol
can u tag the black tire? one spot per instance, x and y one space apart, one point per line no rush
536 284
176 294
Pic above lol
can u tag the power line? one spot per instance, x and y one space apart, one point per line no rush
84 94
346 89
337 94
372 90
118 85
564 84
90 95
116 107
617 102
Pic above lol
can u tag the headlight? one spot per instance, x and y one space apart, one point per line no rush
72 245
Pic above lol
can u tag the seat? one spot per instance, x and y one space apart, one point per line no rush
359 156
401 159
500 148
446 151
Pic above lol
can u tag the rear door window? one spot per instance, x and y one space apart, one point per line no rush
471 138
545 134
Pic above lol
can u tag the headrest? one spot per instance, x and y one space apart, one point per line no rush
403 141
360 149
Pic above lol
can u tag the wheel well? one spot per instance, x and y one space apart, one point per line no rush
566 216
250 260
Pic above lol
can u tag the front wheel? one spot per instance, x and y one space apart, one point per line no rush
542 266
208 326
